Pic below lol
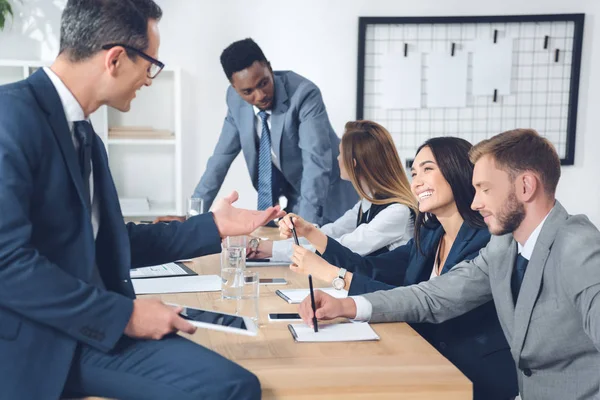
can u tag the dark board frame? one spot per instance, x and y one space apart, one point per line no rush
577 19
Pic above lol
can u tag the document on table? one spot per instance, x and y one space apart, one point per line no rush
267 262
179 284
295 296
343 332
162 270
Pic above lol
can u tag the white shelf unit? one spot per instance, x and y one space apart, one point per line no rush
141 168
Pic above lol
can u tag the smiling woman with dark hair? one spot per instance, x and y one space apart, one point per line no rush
447 231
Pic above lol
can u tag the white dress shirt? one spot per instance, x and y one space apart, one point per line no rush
391 228
74 112
258 127
364 309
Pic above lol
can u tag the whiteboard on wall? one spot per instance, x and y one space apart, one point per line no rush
479 76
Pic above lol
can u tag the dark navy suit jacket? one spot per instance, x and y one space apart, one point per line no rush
48 252
474 342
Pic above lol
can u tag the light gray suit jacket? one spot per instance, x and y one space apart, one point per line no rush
554 330
303 141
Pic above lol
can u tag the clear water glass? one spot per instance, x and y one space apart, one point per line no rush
233 265
247 303
195 206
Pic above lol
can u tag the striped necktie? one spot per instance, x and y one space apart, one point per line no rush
265 166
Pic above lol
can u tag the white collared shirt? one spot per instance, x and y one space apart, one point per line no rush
364 308
74 112
391 228
258 128
527 249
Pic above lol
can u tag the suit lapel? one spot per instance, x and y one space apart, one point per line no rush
278 115
532 281
249 140
423 264
465 234
49 100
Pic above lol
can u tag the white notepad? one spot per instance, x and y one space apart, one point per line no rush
295 296
344 332
179 284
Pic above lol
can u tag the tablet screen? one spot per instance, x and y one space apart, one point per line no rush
211 317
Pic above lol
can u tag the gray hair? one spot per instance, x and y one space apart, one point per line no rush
87 25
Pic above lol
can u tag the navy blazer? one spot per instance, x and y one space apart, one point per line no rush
474 342
47 248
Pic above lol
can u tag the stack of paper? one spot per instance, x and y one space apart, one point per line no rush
164 270
180 284
295 296
345 332
267 262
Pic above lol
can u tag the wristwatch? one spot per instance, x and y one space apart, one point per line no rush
338 283
253 244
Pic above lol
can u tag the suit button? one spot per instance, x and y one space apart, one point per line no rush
443 345
527 372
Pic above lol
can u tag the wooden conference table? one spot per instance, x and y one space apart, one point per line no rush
402 365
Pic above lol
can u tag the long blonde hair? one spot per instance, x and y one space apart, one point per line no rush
370 156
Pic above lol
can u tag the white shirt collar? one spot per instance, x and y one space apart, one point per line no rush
527 249
73 110
257 110
365 204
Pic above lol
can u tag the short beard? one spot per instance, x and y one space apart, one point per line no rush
511 215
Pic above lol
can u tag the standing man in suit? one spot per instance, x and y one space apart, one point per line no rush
69 320
541 268
278 119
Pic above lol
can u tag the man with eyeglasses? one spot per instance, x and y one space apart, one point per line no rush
70 324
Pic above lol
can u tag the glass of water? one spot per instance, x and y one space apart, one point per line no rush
247 303
233 265
195 206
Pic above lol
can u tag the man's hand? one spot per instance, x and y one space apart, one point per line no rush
328 307
303 228
153 319
169 218
306 262
233 221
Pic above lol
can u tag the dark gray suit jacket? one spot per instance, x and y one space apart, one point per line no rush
554 330
303 141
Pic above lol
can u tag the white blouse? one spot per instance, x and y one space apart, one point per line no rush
392 227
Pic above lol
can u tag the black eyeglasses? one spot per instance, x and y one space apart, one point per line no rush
155 65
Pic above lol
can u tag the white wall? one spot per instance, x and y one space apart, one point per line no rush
318 39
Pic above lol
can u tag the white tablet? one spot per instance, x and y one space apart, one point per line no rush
219 321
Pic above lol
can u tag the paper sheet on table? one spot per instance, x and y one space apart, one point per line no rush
179 284
446 84
401 80
344 332
295 296
492 66
168 269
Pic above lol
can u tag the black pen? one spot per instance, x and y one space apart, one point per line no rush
312 303
294 233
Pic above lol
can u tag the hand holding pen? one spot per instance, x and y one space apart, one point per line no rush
302 227
312 304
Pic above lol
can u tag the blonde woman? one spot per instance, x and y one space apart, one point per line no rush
383 218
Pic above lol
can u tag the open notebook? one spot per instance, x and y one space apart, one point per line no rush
344 332
295 296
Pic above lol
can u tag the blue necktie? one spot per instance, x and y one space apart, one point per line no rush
84 133
265 166
517 276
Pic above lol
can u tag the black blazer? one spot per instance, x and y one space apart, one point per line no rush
473 342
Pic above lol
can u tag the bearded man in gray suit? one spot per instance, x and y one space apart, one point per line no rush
541 267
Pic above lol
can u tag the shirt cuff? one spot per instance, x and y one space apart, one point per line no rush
364 308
